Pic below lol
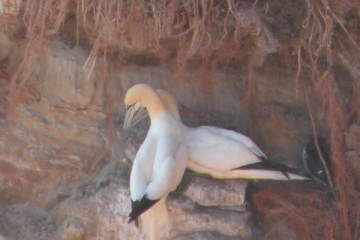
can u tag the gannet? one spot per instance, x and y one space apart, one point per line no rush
162 158
227 154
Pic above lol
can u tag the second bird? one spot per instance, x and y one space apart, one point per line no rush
226 154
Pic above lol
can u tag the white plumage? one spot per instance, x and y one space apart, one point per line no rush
160 161
170 147
224 153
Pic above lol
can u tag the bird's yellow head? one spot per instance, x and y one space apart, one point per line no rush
137 98
135 94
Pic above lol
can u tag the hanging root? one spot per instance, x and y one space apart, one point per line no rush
318 62
335 121
306 214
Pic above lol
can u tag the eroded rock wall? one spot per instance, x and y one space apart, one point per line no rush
64 160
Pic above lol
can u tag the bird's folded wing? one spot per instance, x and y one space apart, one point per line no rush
168 175
163 180
218 151
234 136
141 170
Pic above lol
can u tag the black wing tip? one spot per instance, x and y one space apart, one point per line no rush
268 165
131 219
275 166
133 206
134 219
139 207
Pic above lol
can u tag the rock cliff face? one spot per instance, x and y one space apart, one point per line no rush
277 71
58 181
64 171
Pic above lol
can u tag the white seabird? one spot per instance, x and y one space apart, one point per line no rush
227 154
161 160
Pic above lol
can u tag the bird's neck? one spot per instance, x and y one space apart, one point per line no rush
155 107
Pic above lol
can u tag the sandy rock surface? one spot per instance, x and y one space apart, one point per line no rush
55 186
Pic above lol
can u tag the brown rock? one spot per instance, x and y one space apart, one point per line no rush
223 193
206 236
72 229
4 46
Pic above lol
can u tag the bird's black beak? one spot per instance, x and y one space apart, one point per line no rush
134 114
